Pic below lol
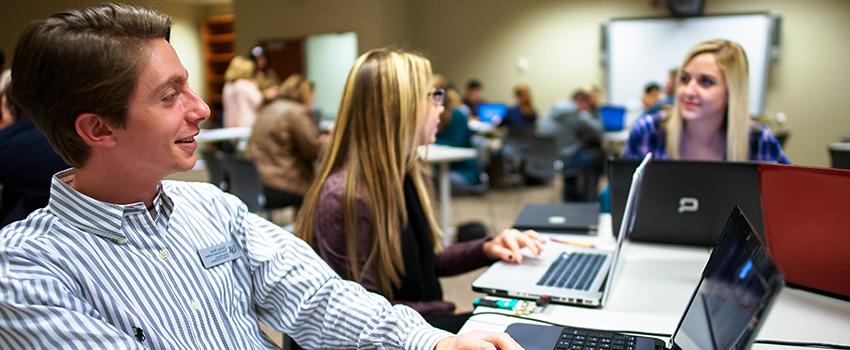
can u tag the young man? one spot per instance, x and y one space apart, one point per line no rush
120 259
474 96
577 129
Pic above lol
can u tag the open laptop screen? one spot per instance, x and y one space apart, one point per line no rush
692 197
733 296
492 113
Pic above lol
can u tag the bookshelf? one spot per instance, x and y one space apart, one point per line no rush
218 38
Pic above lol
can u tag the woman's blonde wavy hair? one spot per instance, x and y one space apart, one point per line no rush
239 68
732 61
375 141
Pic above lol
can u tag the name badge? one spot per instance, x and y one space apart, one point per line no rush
219 254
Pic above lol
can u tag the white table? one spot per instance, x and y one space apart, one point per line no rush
223 134
442 156
654 285
240 135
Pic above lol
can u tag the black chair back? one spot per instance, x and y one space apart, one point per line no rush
541 155
839 154
244 181
215 172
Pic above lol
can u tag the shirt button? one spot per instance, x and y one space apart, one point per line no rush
194 305
163 255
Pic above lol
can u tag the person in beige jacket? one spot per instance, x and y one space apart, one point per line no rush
284 143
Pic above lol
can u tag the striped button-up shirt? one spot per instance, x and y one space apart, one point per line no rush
86 274
648 136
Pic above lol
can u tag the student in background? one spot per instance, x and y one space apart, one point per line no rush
369 213
578 134
453 130
241 96
7 116
522 114
710 119
27 163
266 78
651 99
670 88
5 74
284 143
473 97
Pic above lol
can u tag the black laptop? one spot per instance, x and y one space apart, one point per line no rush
731 301
685 202
579 218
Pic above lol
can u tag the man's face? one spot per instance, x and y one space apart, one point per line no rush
162 117
583 103
474 95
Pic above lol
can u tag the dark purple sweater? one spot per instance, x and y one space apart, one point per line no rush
420 288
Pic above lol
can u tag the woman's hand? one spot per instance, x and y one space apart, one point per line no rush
506 246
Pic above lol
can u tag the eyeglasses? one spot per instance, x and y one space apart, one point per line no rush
438 96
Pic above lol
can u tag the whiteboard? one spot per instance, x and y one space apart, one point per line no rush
643 50
329 58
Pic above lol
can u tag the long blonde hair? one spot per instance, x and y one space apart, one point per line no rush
732 61
375 142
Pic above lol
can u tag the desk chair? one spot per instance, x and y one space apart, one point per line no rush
506 167
581 175
541 158
215 172
839 154
245 183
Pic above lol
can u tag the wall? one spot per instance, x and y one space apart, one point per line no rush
560 39
377 22
185 33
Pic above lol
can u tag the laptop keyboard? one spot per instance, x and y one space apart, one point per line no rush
580 339
573 271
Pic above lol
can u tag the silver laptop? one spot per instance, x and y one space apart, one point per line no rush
564 273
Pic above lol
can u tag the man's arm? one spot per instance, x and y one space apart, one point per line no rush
37 311
298 294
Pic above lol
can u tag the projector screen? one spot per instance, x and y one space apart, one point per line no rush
643 50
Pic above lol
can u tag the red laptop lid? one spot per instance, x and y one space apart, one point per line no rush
807 222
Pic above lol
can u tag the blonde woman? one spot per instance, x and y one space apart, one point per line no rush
369 212
284 143
240 97
710 117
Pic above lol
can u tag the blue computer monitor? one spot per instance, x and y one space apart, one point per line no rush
613 117
492 113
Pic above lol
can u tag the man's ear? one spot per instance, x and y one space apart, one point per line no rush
95 131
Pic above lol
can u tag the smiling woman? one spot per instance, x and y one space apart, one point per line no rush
710 116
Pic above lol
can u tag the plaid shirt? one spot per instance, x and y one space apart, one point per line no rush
648 136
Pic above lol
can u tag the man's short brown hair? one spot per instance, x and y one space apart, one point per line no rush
82 61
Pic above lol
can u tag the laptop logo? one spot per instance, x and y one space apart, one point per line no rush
557 219
688 204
